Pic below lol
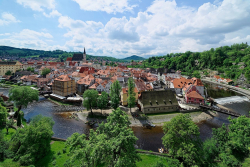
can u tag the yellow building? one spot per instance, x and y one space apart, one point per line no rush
124 96
10 66
64 86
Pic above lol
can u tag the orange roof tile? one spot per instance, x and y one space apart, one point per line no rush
63 78
194 94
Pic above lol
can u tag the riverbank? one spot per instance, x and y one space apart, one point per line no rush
157 120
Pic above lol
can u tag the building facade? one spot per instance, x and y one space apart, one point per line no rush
124 96
158 101
10 66
64 86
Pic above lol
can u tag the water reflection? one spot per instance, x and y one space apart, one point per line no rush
149 139
64 127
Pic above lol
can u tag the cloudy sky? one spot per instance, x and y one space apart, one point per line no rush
121 28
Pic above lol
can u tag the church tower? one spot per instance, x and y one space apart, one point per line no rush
84 56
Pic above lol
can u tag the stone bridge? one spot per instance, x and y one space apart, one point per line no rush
233 88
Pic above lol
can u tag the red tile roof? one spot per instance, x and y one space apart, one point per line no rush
195 95
125 90
63 78
69 59
180 82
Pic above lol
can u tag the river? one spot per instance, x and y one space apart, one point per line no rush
148 139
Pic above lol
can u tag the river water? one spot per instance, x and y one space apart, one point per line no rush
148 139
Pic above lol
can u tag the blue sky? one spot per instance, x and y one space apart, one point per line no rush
125 27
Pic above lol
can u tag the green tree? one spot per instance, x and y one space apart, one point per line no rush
210 152
9 124
45 71
3 115
30 69
196 74
8 72
22 96
115 90
131 93
102 101
90 99
111 145
4 151
32 142
182 139
2 101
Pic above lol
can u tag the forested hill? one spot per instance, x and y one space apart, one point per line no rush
134 57
62 55
229 61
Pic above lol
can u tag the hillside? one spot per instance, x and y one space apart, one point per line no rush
62 55
134 57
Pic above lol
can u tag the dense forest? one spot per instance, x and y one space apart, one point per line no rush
229 61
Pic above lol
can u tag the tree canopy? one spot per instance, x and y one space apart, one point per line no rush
32 142
8 72
131 93
115 91
45 71
3 115
182 139
22 96
90 99
102 101
111 145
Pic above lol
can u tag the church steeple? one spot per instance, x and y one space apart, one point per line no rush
84 56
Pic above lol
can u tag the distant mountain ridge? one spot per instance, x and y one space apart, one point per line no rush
134 57
25 52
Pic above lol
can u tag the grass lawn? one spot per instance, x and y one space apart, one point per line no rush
148 160
59 103
53 158
11 132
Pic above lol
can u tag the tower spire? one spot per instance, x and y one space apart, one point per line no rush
84 51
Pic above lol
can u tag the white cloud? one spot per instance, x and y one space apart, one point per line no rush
163 28
54 13
5 34
29 39
7 18
37 5
109 6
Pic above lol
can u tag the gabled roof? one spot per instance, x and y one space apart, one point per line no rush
142 86
63 78
197 82
195 95
180 82
158 98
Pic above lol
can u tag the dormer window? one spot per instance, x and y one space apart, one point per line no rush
156 102
150 102
170 101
